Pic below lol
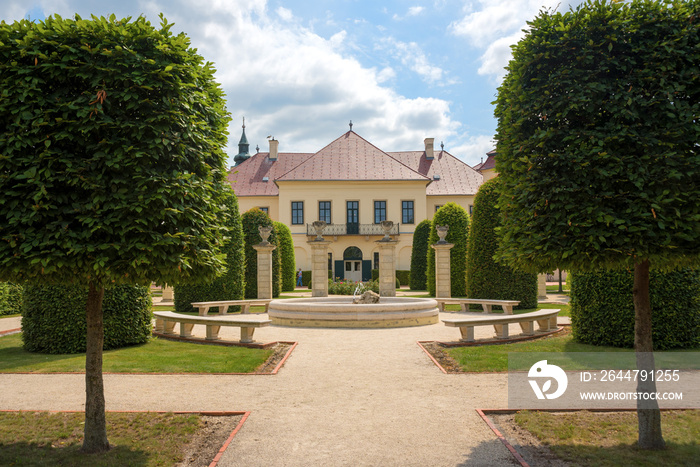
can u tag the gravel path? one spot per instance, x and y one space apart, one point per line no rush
346 397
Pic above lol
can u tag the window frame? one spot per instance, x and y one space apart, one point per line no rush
329 217
405 209
379 210
297 213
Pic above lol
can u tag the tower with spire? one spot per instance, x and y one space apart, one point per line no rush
243 152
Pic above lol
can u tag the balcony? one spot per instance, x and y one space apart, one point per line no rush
336 230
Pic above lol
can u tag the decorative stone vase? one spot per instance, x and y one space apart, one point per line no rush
387 226
265 232
318 227
442 233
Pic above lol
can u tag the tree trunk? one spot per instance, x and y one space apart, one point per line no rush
95 440
648 413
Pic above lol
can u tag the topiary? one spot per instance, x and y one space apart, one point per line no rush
10 298
251 220
456 217
419 255
53 318
230 284
486 278
288 271
602 311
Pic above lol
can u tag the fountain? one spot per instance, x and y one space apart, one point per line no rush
340 311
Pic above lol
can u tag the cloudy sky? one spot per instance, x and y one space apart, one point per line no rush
300 70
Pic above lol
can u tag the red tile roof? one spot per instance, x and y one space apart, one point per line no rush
455 177
351 157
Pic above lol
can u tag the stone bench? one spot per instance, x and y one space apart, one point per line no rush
506 305
546 321
203 307
165 324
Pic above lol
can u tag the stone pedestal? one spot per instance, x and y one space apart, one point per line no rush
542 286
443 281
264 269
387 267
319 268
168 295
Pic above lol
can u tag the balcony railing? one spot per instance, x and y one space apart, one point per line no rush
334 230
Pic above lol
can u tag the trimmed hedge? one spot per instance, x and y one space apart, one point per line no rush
10 298
419 255
251 220
485 277
229 285
288 264
375 277
602 311
53 318
456 217
403 276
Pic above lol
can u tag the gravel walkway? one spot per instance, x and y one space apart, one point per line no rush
346 397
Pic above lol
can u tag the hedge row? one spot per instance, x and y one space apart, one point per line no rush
485 277
230 285
602 311
10 298
287 261
419 255
251 220
53 318
456 217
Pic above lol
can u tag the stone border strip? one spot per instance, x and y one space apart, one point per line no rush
10 331
221 451
437 364
499 435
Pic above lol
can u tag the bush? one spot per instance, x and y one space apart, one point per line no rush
251 220
10 298
53 318
229 285
288 265
456 217
345 287
602 311
419 255
486 278
404 277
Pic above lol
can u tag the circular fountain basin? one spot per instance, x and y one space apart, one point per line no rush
340 312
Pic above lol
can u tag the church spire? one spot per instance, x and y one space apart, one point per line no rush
243 152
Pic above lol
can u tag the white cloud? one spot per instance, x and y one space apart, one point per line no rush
285 14
495 25
472 149
412 56
415 11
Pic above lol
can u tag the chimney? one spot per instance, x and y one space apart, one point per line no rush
429 152
273 149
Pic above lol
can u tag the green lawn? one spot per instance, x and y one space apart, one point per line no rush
609 439
138 439
156 356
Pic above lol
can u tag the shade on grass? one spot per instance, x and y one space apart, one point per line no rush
157 356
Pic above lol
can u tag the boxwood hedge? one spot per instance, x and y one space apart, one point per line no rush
419 255
229 285
485 277
10 298
251 220
287 262
53 318
602 311
456 217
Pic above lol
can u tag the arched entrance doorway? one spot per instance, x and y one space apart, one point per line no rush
352 264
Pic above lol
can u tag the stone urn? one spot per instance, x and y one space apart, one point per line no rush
265 232
318 227
442 233
387 226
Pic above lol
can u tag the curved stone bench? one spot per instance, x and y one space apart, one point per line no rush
546 321
166 320
506 305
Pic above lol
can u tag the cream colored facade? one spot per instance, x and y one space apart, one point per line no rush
261 174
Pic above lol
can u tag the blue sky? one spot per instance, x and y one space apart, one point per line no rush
300 70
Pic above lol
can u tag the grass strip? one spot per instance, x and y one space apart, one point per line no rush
156 356
50 439
610 438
